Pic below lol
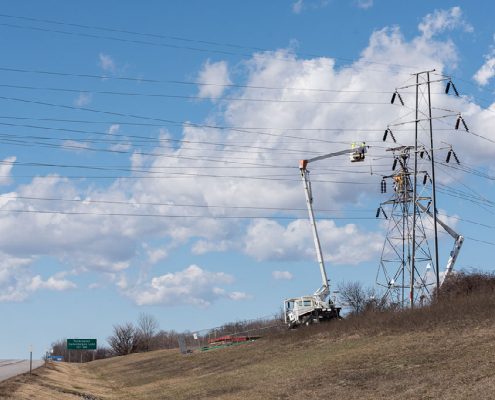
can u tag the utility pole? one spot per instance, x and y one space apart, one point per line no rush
30 359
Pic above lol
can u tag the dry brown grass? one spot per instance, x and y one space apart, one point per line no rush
446 351
56 381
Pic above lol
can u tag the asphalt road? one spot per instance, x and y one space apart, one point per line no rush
10 368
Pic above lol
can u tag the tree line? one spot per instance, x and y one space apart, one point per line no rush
146 335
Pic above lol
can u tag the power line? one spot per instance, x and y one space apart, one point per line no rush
20 211
168 37
226 127
184 175
189 97
162 120
138 203
181 82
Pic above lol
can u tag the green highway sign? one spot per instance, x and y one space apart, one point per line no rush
81 344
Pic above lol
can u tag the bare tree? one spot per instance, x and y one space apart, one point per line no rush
125 339
353 295
360 299
146 330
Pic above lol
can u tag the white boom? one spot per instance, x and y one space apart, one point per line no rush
308 308
458 240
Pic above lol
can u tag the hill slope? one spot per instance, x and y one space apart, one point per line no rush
446 351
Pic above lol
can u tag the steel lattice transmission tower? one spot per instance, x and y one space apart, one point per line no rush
406 238
409 270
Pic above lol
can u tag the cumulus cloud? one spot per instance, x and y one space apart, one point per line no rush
86 235
238 296
156 255
487 70
52 283
121 147
75 145
81 240
212 78
347 244
6 166
113 129
14 277
107 63
443 20
17 281
83 99
299 5
282 275
193 285
365 4
204 246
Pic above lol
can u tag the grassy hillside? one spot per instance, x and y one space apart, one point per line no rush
446 351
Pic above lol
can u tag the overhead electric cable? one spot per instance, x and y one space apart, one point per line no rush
21 211
168 37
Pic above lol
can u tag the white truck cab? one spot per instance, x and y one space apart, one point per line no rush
306 310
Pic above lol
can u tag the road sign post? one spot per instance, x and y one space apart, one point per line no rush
30 360
81 344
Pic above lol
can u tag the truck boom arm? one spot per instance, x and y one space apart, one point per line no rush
357 155
458 241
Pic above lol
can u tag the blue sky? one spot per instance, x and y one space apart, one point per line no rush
133 180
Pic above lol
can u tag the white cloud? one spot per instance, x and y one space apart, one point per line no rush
83 99
17 281
238 296
347 245
204 246
156 255
113 129
75 145
212 79
121 147
95 285
14 278
113 244
299 5
443 20
52 283
121 281
487 70
82 241
365 4
6 169
282 275
193 285
107 63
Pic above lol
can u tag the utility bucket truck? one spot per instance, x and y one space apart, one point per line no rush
317 307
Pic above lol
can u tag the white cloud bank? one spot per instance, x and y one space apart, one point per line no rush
348 244
6 166
52 283
282 275
299 5
83 99
193 285
444 20
365 4
212 79
107 63
487 70
264 174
